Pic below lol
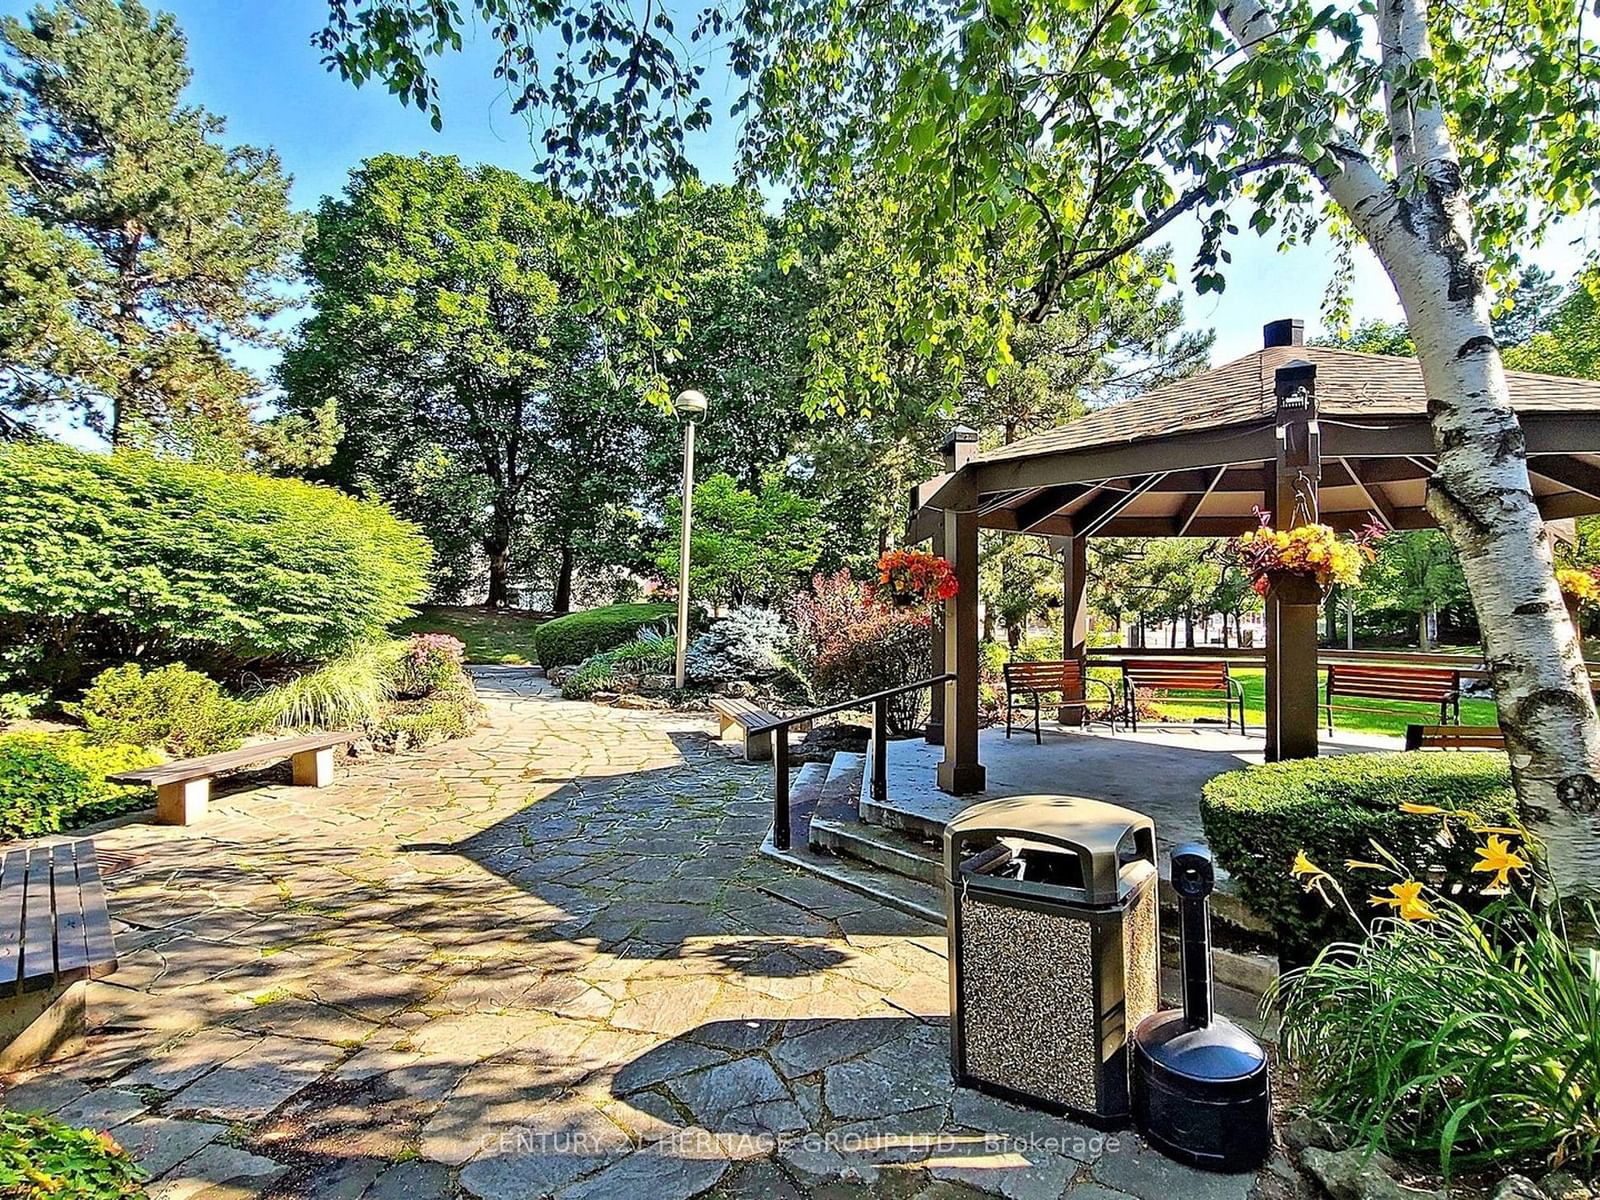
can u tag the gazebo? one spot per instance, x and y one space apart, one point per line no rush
1341 435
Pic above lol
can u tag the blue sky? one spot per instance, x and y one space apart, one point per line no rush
254 65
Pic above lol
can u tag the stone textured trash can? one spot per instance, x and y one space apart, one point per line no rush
1054 952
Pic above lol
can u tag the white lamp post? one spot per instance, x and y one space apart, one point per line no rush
691 404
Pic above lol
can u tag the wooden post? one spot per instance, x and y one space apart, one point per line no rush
1074 616
183 802
312 768
1291 691
961 773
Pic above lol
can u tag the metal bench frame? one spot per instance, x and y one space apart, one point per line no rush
1406 683
1066 677
1210 677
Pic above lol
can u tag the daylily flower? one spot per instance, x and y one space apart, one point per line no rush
1421 810
1406 899
1498 857
1306 870
1355 864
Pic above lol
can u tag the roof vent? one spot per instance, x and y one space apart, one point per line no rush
1290 331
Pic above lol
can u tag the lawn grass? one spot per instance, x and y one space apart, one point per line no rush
1392 719
490 637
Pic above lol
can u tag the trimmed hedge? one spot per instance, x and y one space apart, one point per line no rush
54 781
111 558
571 639
1334 809
181 711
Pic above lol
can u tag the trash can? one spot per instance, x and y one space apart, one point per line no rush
1054 954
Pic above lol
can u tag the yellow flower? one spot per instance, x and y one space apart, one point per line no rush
1499 858
1421 810
1309 874
1406 899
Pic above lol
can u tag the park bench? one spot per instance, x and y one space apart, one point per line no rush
1416 685
1198 678
1067 679
743 715
55 934
1454 737
183 787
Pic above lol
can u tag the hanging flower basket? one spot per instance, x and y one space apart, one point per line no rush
1580 588
907 578
1299 565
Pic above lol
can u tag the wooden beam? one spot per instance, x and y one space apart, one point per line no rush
1088 520
1569 472
1192 505
1382 508
1047 503
1247 447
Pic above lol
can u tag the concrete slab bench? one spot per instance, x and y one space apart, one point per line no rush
55 935
183 787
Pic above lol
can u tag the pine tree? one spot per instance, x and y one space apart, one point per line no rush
152 243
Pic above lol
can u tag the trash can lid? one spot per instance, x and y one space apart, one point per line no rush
1092 829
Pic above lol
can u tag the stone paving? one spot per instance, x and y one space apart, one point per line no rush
544 960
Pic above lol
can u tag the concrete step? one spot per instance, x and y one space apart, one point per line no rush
841 794
905 895
805 792
893 851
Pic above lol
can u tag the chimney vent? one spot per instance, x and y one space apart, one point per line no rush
1290 331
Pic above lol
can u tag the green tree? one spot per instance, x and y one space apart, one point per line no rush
1416 572
744 546
1443 137
1568 343
137 243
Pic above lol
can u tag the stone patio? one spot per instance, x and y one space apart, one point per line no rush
545 960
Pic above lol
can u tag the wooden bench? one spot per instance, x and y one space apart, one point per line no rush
743 715
1402 681
55 934
1454 737
1207 677
183 788
1066 679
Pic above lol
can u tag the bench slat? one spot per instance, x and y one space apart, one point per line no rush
13 874
99 944
743 712
212 764
1454 737
72 952
38 924
1043 676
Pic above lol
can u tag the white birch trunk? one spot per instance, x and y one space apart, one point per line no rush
1480 493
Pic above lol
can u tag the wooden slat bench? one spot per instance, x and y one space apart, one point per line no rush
743 715
1066 679
1208 678
1454 737
55 933
1439 686
183 788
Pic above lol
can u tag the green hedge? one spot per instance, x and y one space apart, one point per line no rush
573 638
54 781
181 711
110 558
1334 809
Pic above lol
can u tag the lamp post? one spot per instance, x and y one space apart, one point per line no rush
691 404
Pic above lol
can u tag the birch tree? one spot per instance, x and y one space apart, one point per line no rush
1446 136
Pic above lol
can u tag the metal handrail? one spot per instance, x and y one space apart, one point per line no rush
880 740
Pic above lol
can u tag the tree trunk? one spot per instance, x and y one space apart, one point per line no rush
563 597
1480 493
497 549
1424 642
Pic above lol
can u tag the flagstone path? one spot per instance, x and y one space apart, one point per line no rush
544 960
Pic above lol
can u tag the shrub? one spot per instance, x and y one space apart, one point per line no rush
127 557
849 646
19 706
430 662
451 711
181 711
1334 809
822 617
42 1158
745 644
573 638
52 781
346 693
654 651
1473 1039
